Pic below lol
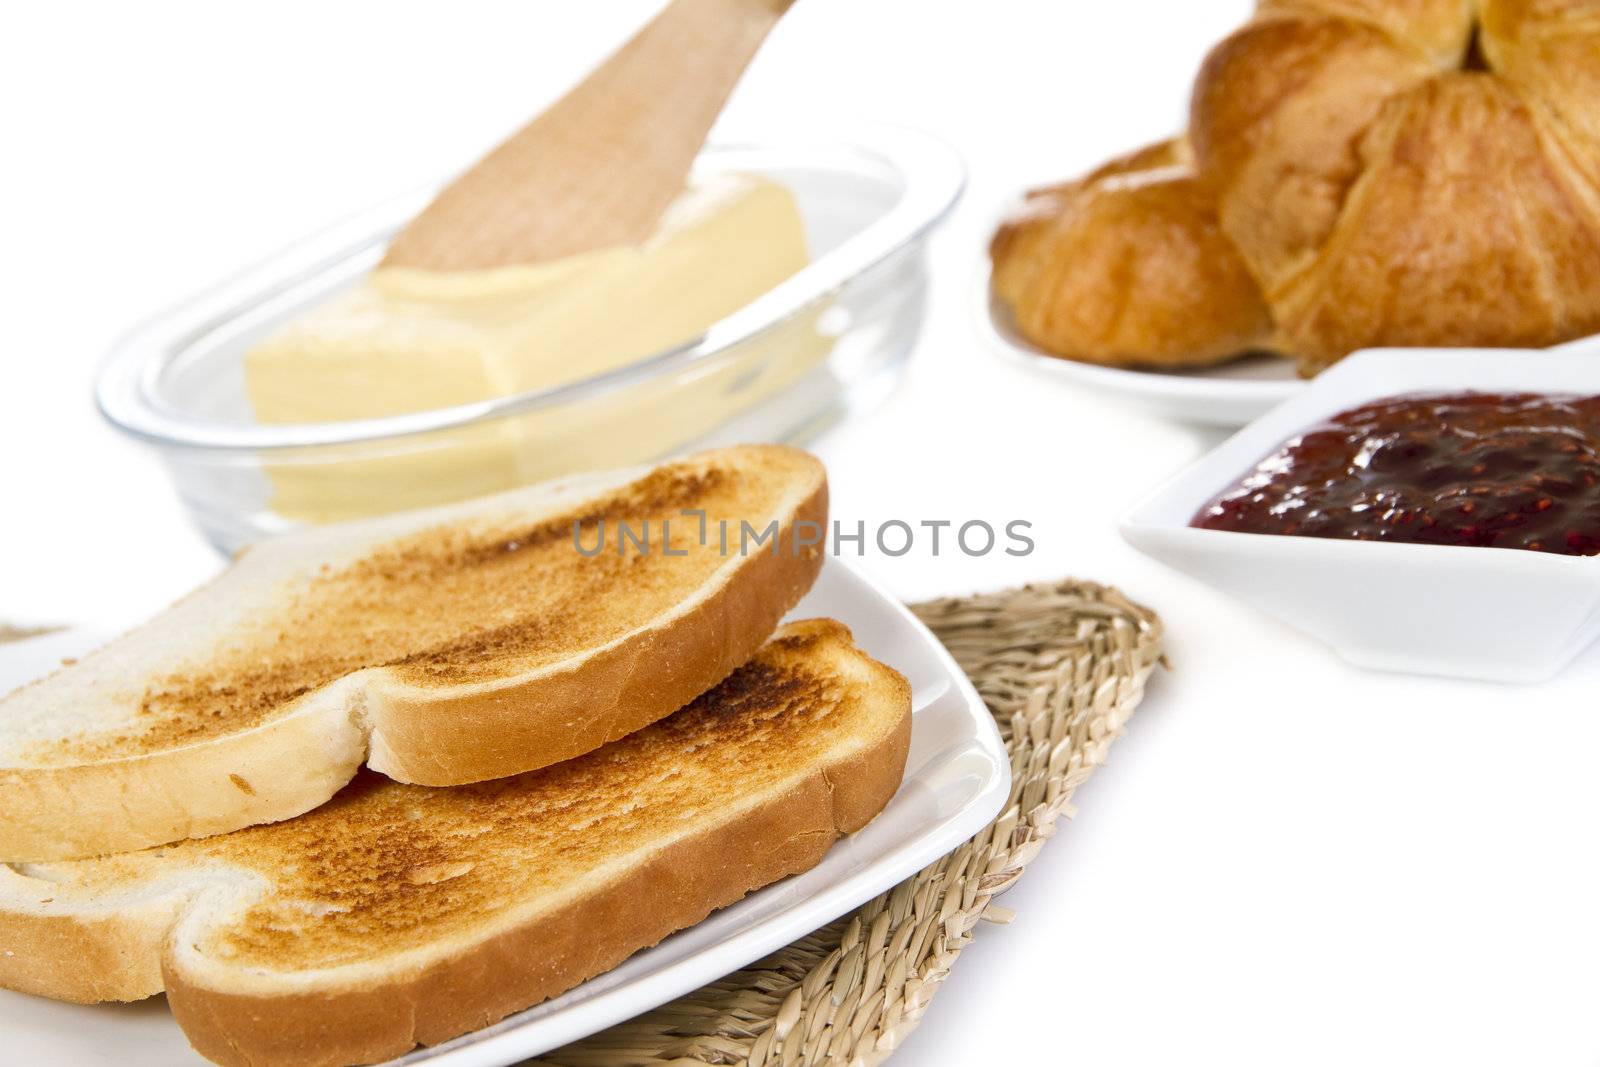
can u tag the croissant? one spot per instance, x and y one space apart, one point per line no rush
1355 173
1128 266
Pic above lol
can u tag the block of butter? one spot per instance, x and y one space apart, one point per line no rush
408 340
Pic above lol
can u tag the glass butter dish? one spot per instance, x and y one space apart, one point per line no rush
831 338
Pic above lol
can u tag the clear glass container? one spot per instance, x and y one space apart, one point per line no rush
830 339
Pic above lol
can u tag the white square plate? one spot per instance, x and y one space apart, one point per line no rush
957 779
1492 613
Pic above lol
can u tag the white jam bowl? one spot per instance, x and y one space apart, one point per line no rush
1501 614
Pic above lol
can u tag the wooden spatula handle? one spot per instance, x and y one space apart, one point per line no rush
599 167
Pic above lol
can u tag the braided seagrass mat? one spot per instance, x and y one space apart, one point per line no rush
1061 668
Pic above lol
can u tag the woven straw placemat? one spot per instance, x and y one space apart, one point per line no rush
1061 668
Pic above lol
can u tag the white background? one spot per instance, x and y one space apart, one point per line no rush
1286 860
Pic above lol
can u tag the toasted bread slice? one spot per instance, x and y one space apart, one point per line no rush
440 647
398 915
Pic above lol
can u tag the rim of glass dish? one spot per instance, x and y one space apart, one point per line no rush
933 177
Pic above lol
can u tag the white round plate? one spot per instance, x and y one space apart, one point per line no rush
1228 395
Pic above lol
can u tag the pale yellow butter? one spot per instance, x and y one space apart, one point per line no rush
410 340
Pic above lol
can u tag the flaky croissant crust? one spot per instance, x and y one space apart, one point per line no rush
1128 266
1385 172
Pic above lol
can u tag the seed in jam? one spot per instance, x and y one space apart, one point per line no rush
1497 470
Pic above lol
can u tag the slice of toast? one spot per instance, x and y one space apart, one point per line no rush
439 647
396 914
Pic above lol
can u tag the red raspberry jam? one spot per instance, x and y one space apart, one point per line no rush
1500 470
